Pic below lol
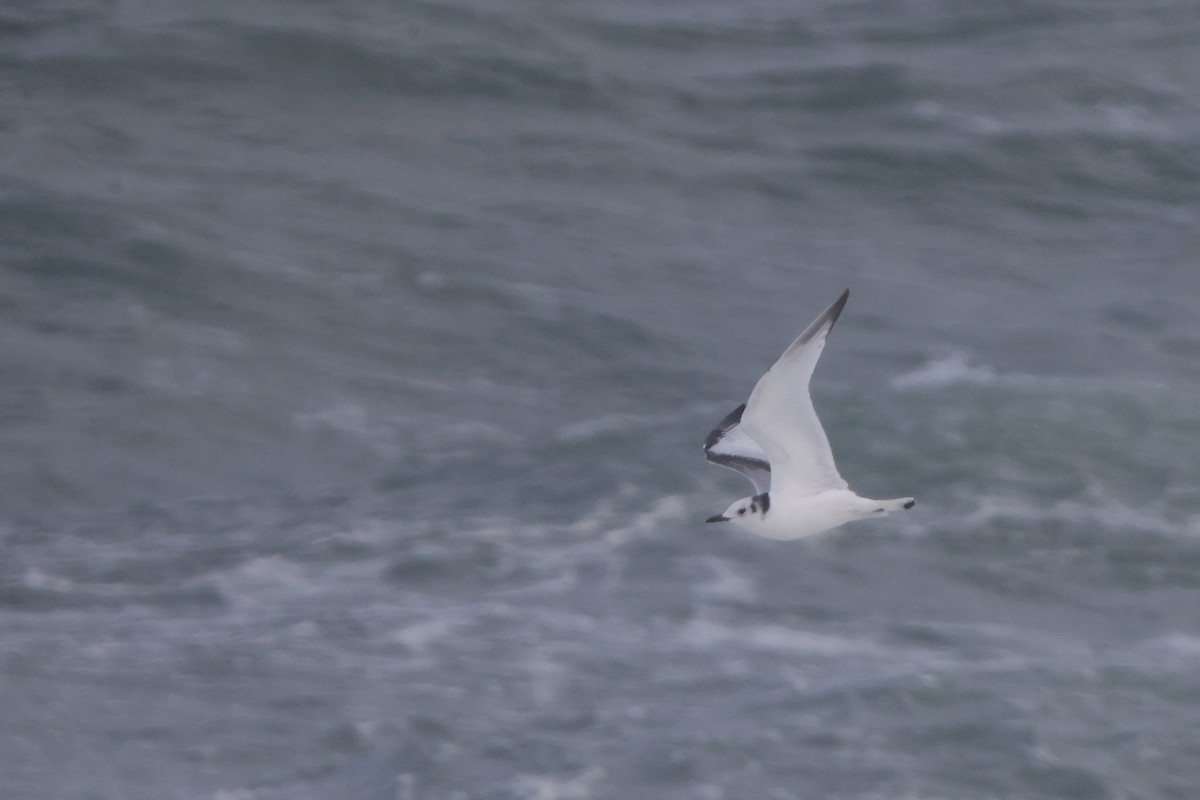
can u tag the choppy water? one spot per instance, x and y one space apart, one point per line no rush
357 359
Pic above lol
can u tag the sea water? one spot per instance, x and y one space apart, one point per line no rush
358 357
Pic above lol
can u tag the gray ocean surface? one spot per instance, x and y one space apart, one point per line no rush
358 356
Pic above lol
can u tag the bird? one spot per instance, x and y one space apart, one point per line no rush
776 440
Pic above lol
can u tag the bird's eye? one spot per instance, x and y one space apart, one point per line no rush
741 511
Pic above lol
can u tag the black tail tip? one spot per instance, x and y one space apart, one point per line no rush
910 504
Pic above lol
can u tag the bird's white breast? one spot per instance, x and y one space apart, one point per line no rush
797 517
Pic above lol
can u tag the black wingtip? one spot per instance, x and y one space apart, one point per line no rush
717 433
824 322
835 310
910 504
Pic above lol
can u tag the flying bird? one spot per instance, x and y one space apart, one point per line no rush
776 440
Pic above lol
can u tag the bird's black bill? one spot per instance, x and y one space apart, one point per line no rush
717 518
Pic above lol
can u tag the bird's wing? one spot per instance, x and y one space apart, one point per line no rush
780 417
729 446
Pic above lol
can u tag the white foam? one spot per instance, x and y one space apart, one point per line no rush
586 429
953 369
233 794
727 583
956 369
268 577
670 508
547 677
35 578
342 417
420 636
545 787
611 520
705 633
431 280
973 123
1095 507
590 429
1186 644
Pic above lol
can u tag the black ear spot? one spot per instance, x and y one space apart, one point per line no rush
753 508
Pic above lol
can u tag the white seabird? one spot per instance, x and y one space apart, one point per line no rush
776 440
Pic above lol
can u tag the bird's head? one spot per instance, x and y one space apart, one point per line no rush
748 509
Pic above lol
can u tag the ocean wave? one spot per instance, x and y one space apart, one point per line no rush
1096 509
587 784
708 634
952 370
956 369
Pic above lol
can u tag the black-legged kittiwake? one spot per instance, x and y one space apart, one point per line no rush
776 440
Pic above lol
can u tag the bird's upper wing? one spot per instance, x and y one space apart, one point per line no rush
780 417
729 446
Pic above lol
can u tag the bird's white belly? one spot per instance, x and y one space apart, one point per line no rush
805 516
